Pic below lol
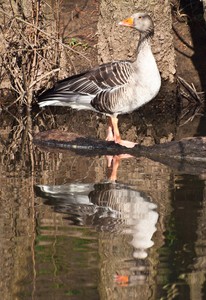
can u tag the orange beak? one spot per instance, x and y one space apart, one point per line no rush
127 22
122 280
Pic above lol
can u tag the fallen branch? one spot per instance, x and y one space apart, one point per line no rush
187 155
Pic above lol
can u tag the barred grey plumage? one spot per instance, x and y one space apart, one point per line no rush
109 207
114 88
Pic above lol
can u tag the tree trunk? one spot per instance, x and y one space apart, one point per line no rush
204 8
120 43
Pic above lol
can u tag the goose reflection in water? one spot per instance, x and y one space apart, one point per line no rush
109 207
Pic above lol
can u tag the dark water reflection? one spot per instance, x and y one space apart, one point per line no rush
68 232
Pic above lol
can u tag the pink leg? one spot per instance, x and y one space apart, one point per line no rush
117 137
110 136
113 162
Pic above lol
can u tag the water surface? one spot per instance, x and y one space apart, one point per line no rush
68 232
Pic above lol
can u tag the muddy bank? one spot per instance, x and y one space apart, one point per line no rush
142 126
79 28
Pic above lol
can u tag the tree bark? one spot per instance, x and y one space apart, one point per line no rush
204 8
120 43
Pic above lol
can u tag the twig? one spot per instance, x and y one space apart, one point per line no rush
43 76
46 34
190 93
190 89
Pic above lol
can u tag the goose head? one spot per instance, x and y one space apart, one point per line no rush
140 21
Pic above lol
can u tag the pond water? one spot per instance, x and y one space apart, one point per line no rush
67 231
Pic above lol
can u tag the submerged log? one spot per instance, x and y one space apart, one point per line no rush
187 155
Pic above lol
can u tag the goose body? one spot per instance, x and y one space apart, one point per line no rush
114 88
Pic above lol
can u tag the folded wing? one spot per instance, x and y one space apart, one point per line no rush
79 90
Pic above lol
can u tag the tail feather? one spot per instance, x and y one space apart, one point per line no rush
66 98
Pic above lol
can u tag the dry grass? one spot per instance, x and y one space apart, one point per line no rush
32 49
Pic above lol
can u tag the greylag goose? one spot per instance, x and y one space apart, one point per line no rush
114 88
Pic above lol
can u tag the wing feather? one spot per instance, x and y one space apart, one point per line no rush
97 84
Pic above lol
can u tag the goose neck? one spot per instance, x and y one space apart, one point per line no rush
143 44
